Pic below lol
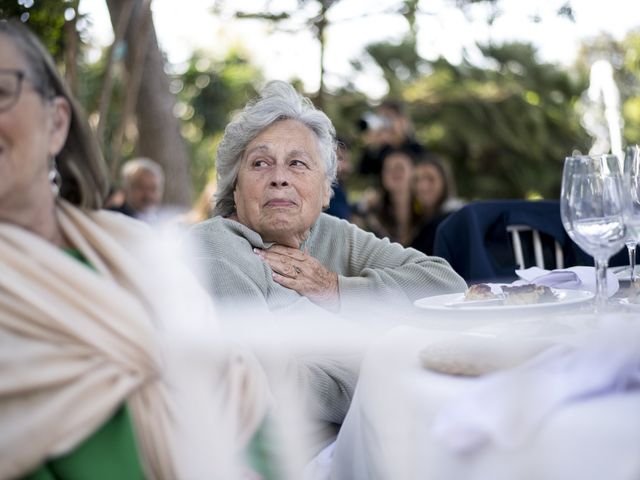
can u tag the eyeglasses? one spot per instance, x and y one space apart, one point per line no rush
10 87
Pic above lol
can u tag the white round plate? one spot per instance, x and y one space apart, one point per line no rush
454 302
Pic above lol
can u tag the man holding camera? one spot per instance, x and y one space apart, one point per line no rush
388 128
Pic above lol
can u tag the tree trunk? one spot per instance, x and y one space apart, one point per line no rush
106 88
159 135
321 25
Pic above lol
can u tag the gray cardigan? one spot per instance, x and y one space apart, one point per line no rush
370 270
372 273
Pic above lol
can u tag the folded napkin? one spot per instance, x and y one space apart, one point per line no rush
507 407
473 355
574 278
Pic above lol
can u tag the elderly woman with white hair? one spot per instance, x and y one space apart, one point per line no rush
269 246
269 242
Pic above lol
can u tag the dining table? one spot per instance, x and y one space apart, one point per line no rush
422 380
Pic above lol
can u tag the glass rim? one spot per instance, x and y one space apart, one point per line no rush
590 157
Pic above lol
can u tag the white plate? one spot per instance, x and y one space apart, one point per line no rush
443 303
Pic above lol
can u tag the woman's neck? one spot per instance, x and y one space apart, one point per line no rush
289 240
293 240
401 202
35 212
428 212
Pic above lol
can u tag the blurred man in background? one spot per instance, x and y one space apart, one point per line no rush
388 128
143 185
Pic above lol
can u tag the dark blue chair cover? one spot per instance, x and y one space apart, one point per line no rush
475 241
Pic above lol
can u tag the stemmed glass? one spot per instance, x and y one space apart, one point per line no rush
592 207
632 179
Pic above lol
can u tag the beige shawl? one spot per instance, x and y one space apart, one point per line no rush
75 343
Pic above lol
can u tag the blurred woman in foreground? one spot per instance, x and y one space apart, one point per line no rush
99 373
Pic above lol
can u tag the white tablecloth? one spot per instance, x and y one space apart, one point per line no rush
388 431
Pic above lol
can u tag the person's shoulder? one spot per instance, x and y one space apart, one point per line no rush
128 231
218 230
211 224
124 209
452 204
118 218
327 222
223 236
222 226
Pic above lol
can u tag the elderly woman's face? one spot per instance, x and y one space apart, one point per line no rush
282 187
31 129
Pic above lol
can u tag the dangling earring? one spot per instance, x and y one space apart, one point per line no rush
54 177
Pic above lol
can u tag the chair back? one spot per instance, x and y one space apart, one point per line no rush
538 252
489 240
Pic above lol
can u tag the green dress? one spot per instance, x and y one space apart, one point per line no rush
109 453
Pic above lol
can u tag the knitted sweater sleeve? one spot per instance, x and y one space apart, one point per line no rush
226 265
370 268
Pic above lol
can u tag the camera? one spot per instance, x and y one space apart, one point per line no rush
373 121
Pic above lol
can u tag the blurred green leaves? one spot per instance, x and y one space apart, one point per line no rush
504 123
506 127
208 93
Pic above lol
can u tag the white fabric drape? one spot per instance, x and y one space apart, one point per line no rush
508 407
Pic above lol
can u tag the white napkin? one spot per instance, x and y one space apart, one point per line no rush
574 278
506 408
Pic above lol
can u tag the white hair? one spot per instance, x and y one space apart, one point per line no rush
141 164
277 101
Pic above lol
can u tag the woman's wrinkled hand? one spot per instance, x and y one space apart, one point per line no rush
303 273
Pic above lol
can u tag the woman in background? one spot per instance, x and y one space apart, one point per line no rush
389 211
434 193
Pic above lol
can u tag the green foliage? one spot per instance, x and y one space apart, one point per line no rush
208 94
89 89
505 127
345 107
625 59
400 63
45 17
631 95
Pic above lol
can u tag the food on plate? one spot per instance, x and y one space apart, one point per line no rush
479 291
527 294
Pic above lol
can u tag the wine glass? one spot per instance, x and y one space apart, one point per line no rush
632 179
592 207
